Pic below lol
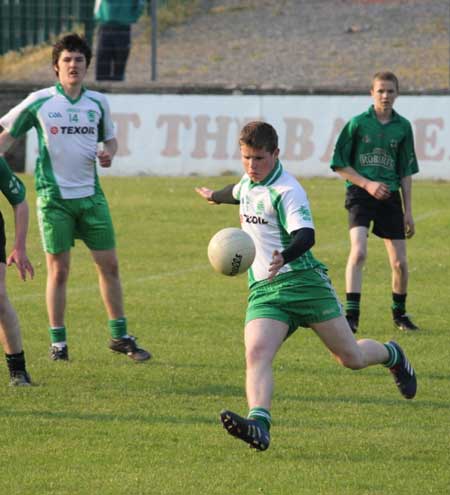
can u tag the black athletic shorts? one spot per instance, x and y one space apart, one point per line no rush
386 215
2 240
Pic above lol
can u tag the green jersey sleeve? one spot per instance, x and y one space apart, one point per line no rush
11 186
343 150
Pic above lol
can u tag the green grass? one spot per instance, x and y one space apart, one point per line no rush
102 424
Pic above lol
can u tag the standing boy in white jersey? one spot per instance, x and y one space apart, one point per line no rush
70 120
288 286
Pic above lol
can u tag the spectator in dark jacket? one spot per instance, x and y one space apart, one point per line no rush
114 18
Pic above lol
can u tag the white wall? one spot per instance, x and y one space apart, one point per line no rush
197 134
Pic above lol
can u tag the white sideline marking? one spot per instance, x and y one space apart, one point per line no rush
426 215
94 287
163 275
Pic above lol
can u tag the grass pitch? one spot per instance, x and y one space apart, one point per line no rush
102 424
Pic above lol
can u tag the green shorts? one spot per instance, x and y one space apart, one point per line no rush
61 221
297 298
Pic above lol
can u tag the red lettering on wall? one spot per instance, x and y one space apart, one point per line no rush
173 123
427 139
123 121
298 145
337 128
219 136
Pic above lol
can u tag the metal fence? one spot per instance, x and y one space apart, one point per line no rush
31 22
216 47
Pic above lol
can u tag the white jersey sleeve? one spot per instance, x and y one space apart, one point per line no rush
22 118
294 209
237 189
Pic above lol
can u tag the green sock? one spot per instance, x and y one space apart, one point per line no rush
394 356
262 415
118 328
57 334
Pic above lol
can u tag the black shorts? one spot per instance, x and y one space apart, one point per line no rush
386 215
2 240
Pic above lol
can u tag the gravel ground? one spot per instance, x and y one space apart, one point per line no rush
299 45
310 44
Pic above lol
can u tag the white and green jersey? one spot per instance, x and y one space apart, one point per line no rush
269 212
68 132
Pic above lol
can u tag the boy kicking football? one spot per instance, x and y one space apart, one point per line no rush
289 287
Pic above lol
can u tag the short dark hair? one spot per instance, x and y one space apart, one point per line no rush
386 76
259 135
73 43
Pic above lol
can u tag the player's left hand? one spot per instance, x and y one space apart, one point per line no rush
23 264
104 158
275 265
410 229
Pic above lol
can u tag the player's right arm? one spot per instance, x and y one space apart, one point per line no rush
224 195
343 157
14 191
378 190
18 255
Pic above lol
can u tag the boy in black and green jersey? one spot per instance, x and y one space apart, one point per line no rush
10 338
375 154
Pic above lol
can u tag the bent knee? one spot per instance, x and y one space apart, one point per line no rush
257 354
400 266
358 256
59 276
112 269
109 270
353 360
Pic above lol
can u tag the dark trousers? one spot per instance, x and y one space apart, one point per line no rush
113 48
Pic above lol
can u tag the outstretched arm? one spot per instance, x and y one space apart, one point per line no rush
206 193
224 195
